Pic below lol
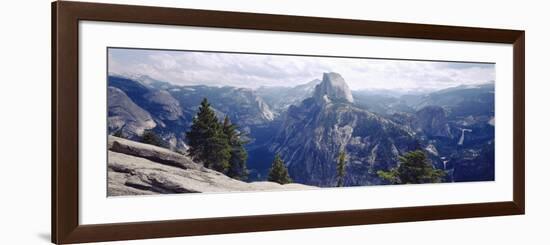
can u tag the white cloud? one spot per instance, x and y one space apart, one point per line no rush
255 70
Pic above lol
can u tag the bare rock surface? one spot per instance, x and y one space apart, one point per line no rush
332 87
140 169
125 115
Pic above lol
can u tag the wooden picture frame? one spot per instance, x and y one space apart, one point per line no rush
65 121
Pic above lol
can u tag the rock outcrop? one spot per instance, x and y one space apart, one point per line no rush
166 106
125 115
333 87
140 169
432 120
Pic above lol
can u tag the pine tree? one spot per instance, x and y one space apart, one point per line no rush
151 138
207 142
278 172
341 168
237 161
414 168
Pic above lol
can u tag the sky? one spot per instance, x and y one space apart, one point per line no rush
256 70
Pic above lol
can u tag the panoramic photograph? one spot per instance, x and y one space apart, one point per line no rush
215 122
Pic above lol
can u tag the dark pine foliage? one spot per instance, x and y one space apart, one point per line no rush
414 168
207 141
278 172
237 161
151 138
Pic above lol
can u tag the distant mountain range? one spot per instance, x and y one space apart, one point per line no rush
308 125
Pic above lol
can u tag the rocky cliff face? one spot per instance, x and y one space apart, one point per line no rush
125 115
333 87
281 98
313 134
140 169
432 120
164 110
243 106
168 107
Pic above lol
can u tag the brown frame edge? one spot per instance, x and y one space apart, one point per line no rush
65 224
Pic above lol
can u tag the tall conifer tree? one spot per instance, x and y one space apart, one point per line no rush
207 142
278 172
237 161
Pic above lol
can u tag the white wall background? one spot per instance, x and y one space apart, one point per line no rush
25 109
